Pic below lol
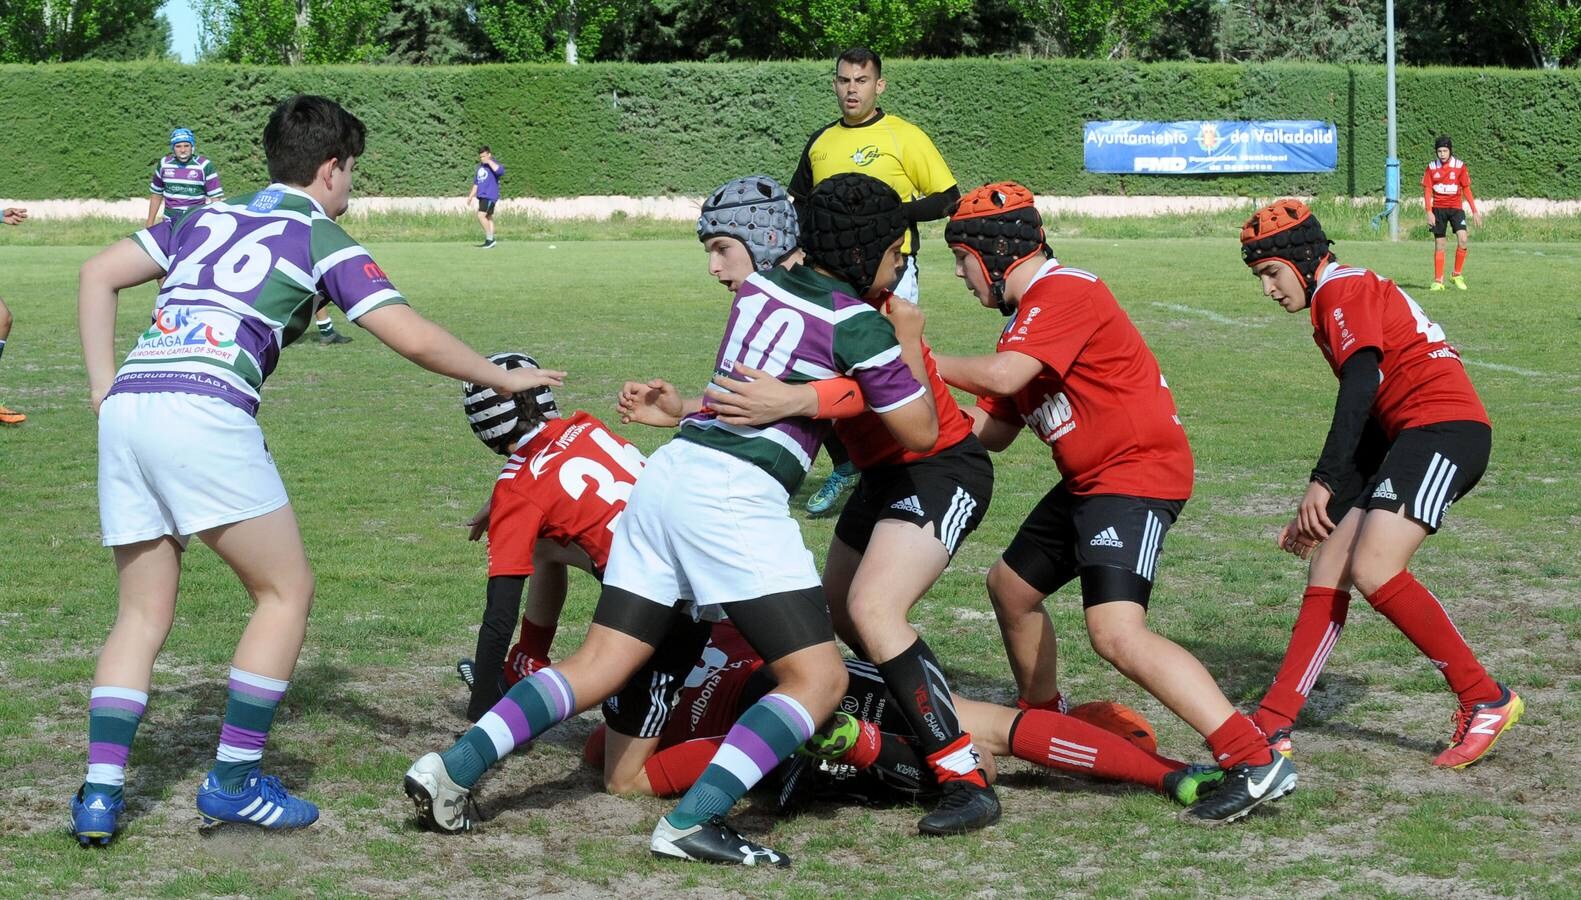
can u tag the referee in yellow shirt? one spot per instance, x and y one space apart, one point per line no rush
868 140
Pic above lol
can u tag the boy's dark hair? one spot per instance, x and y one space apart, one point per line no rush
303 132
859 57
485 149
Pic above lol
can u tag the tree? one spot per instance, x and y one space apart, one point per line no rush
1101 29
544 30
1334 31
431 32
287 32
66 30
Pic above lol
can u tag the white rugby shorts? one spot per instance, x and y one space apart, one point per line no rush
707 527
177 464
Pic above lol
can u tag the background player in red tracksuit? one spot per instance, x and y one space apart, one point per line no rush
869 741
554 505
1446 191
1072 367
1395 369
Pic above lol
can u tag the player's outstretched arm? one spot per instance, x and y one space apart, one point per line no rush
437 350
13 215
655 403
122 265
994 375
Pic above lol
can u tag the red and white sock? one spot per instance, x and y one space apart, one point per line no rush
673 770
957 761
1312 639
1460 260
1420 617
1438 265
1238 741
1057 741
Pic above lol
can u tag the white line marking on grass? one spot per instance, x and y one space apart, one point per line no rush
1500 367
1208 314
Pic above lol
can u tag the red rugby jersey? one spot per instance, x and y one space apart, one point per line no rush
1447 185
569 483
1100 402
1424 381
870 442
708 702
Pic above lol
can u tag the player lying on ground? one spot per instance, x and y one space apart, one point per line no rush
180 452
680 537
694 703
1072 367
1397 370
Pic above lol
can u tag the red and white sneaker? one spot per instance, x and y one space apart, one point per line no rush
1477 729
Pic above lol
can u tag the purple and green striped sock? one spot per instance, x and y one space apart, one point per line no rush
532 706
768 732
249 712
113 716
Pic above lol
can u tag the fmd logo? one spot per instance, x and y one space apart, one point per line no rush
1158 164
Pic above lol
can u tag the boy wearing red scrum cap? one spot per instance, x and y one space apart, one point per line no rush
1072 367
1398 375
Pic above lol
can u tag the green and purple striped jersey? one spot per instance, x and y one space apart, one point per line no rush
185 185
800 326
244 281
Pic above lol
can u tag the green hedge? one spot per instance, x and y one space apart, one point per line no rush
94 129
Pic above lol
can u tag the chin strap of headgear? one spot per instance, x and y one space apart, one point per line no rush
999 225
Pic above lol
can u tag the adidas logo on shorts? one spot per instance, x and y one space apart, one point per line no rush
910 504
1385 491
1107 538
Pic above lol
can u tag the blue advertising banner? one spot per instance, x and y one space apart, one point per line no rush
1209 147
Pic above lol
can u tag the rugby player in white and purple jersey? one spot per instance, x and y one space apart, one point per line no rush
180 452
183 180
709 523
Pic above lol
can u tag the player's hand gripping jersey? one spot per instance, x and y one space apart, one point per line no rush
1100 401
569 482
243 281
1423 380
1447 185
870 443
800 326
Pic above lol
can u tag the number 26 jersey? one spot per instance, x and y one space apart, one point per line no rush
569 483
242 282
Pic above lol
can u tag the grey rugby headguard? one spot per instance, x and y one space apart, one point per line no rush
756 211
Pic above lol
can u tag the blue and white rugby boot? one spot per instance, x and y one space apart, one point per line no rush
95 817
262 801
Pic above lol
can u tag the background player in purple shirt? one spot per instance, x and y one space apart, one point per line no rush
181 454
183 180
486 188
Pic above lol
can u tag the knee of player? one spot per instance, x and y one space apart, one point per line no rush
1118 644
628 785
1369 572
5 319
1008 592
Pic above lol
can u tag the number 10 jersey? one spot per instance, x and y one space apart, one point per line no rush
243 280
801 326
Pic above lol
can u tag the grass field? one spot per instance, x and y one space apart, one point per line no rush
383 470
